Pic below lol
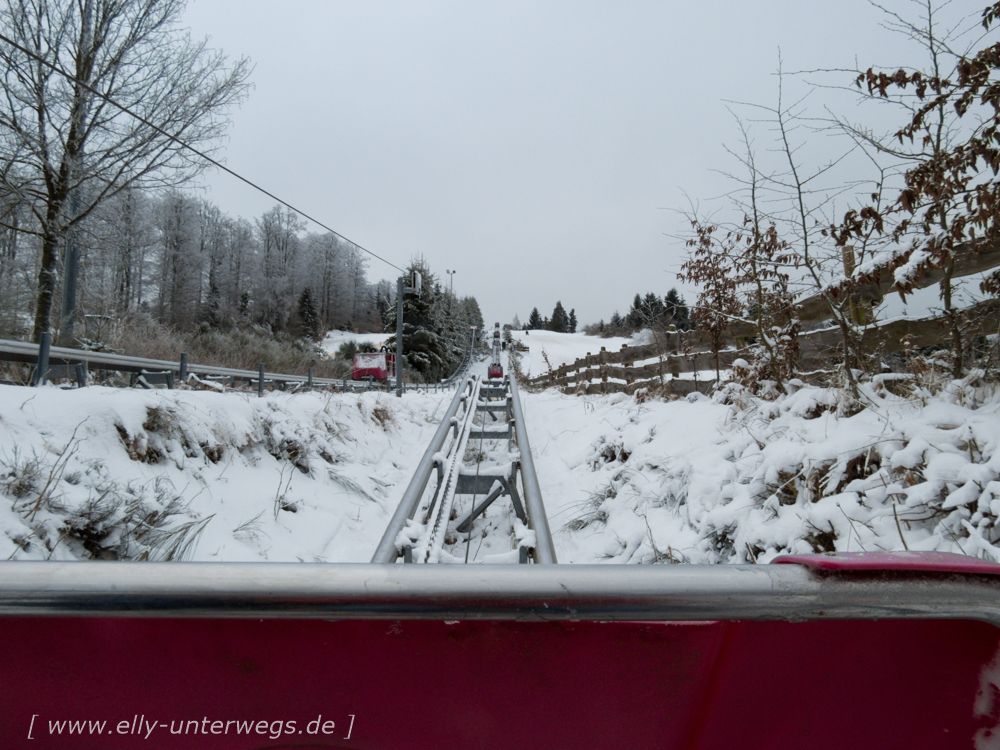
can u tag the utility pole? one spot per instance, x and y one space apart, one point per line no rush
401 289
451 279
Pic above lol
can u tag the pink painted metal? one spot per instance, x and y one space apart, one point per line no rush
376 365
924 562
194 684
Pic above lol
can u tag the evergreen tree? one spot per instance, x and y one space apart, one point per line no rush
435 326
572 320
676 311
560 320
535 320
652 309
308 317
473 315
424 348
633 318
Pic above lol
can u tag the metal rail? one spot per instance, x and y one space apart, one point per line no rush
448 472
21 351
544 549
425 541
28 353
387 551
485 592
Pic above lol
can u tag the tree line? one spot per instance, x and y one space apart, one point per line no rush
94 227
560 321
179 259
437 326
647 311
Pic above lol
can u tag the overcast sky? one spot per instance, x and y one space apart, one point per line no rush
536 148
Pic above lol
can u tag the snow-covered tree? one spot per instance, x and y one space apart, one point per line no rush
308 317
63 150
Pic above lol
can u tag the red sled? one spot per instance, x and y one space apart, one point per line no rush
374 365
495 372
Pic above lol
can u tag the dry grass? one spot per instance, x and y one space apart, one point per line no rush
141 336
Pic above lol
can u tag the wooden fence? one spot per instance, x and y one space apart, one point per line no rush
662 363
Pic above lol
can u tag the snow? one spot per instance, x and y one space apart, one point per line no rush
306 477
560 348
316 476
333 339
926 303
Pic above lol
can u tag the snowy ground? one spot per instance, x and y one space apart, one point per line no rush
308 477
560 349
333 339
702 481
101 472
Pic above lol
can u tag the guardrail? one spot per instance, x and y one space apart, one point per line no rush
497 592
52 362
48 357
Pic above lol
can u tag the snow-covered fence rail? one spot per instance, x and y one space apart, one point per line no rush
610 372
815 309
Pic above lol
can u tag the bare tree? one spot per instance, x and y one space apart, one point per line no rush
64 147
949 202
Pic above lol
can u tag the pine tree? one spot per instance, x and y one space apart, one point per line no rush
560 321
652 309
424 348
676 311
308 318
634 316
535 320
572 320
435 326
474 316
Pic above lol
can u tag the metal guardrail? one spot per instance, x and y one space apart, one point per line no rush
387 551
21 351
544 549
28 353
60 357
487 592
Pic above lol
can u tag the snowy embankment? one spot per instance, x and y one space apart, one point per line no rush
704 481
109 473
334 339
560 349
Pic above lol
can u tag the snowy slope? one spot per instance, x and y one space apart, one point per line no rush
560 348
333 339
100 472
703 481
309 477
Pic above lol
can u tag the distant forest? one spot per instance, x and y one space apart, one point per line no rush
179 259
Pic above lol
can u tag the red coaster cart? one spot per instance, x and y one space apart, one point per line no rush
380 366
839 651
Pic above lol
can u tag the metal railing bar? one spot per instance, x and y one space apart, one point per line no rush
386 552
484 592
545 552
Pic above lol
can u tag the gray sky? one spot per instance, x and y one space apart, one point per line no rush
535 147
